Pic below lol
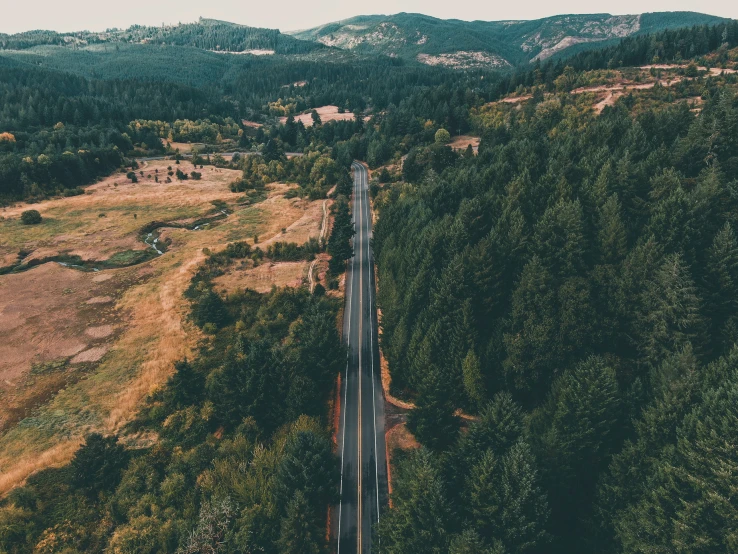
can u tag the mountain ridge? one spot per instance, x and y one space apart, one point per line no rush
434 41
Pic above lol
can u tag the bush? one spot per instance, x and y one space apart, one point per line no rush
443 136
31 217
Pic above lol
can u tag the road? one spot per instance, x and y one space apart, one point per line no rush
361 425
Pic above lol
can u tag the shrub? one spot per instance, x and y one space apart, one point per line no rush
31 217
443 136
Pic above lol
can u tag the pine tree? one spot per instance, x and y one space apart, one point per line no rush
298 534
420 511
531 340
484 496
473 382
559 240
689 505
575 433
671 316
524 509
721 285
469 542
433 421
185 387
611 235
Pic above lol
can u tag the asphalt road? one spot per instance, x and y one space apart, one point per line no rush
361 428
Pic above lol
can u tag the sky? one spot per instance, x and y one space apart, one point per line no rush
287 15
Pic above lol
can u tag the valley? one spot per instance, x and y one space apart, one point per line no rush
395 283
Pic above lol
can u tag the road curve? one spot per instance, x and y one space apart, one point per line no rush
363 488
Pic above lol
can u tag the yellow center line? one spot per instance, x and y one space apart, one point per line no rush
361 318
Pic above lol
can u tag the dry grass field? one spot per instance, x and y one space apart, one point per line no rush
326 113
83 349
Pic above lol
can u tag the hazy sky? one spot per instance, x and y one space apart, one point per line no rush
95 15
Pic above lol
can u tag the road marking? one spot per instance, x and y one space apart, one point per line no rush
357 194
371 334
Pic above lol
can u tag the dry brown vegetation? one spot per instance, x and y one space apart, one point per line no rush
83 350
461 142
326 113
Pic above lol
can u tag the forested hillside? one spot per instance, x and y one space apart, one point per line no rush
207 34
573 286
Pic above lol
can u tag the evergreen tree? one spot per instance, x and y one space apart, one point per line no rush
421 513
672 313
473 382
299 535
433 421
611 236
575 432
721 286
530 341
469 542
97 465
185 387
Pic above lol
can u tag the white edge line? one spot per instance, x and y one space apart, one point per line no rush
374 383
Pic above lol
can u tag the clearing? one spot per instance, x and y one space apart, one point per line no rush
83 349
461 142
326 113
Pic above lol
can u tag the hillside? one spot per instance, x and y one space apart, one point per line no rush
456 43
206 34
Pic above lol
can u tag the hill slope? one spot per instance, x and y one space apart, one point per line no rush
458 43
207 34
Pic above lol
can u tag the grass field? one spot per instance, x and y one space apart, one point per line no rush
83 349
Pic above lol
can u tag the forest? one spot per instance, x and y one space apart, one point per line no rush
573 286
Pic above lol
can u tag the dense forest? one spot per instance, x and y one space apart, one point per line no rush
574 287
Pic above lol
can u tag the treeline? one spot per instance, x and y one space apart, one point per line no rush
208 34
583 269
34 97
187 130
670 46
35 165
243 459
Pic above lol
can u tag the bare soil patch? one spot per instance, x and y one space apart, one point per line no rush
100 300
91 355
99 332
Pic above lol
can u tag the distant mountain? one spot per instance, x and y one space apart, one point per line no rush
206 34
465 44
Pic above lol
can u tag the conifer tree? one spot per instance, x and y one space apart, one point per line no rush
421 513
433 421
299 535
